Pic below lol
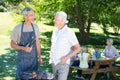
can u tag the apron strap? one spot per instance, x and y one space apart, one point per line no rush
33 30
22 31
22 27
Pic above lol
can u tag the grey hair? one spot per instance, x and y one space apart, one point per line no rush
110 40
83 48
26 10
62 15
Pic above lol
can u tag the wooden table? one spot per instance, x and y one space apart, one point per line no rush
102 61
96 69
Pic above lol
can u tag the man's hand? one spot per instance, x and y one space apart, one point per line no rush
28 49
64 59
40 60
116 58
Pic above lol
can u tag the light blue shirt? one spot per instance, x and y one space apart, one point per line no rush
97 54
111 53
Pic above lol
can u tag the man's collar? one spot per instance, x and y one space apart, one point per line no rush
62 28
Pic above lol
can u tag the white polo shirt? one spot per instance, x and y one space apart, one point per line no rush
62 41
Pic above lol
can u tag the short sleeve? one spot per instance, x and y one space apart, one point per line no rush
115 52
99 54
15 35
72 38
37 32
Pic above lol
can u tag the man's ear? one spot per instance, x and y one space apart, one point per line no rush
25 16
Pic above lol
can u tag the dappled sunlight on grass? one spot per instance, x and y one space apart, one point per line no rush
8 64
6 23
4 43
8 78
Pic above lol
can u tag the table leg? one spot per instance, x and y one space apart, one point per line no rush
93 76
70 70
114 75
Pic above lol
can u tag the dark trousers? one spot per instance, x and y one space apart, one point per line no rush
77 63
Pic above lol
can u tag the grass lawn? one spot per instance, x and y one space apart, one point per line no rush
8 56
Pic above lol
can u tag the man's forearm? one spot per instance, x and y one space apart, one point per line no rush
38 48
16 46
75 51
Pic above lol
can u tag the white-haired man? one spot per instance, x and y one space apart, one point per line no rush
63 39
25 39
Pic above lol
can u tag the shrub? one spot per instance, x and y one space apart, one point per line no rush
2 9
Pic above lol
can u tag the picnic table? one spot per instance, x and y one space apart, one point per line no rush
96 69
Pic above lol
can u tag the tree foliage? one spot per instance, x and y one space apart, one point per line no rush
81 12
14 2
110 16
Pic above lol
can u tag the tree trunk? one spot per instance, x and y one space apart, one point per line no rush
90 16
84 32
84 35
105 29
